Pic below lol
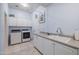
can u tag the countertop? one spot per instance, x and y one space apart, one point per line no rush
60 39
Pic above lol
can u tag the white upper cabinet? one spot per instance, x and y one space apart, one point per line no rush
19 18
23 22
12 21
19 22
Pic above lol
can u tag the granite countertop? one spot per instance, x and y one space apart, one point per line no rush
60 39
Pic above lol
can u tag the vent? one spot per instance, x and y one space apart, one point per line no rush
11 15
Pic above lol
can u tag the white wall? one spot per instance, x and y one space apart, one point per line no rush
37 27
3 27
21 17
65 16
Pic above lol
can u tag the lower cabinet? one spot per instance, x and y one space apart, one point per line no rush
61 49
48 47
45 46
35 41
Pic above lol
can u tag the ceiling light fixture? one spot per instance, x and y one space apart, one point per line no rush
24 4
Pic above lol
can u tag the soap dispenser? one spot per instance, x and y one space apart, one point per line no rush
76 35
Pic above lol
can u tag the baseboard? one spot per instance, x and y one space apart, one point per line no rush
38 50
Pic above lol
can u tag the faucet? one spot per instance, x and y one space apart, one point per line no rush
59 31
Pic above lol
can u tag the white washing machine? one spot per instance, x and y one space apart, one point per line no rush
26 35
15 36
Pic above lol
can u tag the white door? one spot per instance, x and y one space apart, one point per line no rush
61 49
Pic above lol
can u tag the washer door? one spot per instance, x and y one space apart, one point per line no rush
26 36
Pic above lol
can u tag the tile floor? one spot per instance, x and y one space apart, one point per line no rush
23 49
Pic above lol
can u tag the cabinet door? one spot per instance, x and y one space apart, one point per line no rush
40 43
12 21
23 22
45 46
35 40
61 49
48 47
20 22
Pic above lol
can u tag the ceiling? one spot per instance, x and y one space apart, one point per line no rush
31 8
